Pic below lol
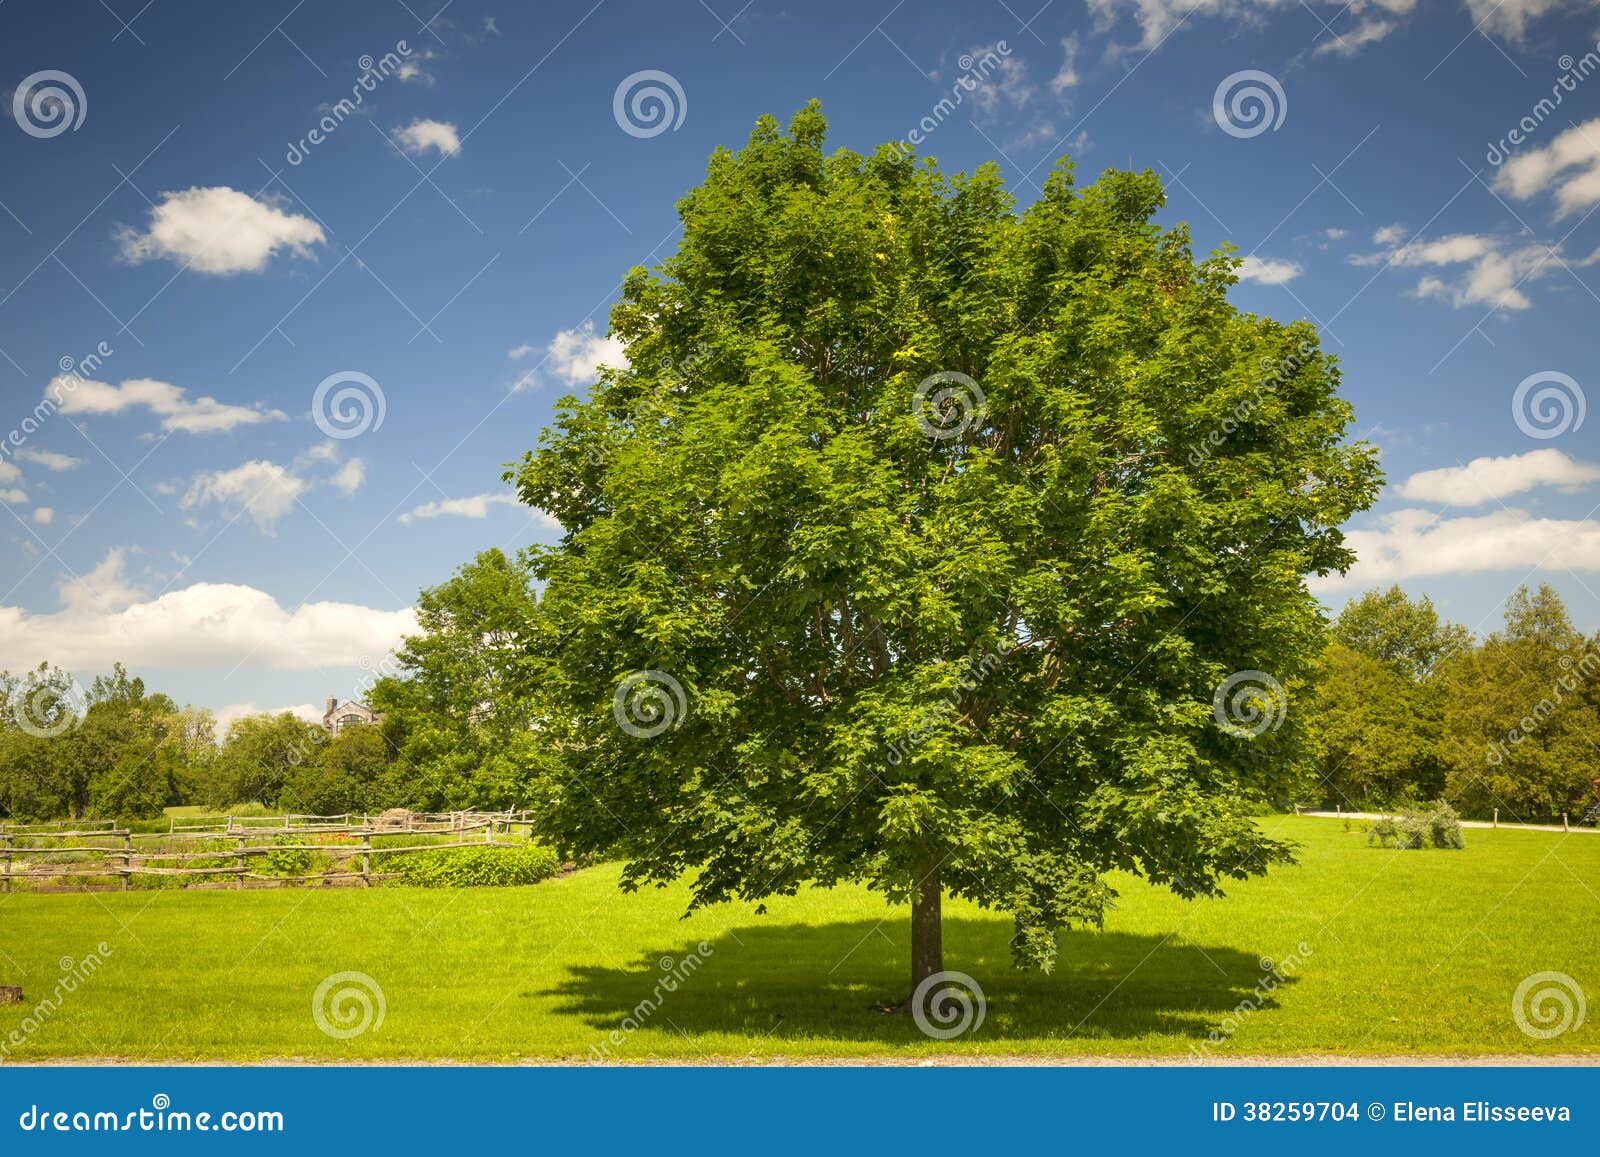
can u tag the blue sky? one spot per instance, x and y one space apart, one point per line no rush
171 233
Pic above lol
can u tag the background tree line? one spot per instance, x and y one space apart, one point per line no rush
1405 707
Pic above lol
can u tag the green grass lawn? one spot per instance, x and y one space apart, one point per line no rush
1410 952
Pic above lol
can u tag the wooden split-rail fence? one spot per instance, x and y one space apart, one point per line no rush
75 853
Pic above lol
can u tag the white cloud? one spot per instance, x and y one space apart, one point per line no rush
14 495
1369 31
1488 479
105 588
1268 270
9 471
44 515
204 625
476 506
1569 167
574 356
49 459
1486 270
226 717
265 490
1067 75
350 476
1389 235
219 230
517 353
178 411
1417 543
1008 103
419 136
1512 17
1375 19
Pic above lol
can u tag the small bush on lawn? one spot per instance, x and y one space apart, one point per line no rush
474 867
1435 826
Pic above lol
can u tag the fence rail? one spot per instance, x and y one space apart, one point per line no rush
32 855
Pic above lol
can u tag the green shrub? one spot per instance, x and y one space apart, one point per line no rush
1437 826
486 867
286 861
1383 832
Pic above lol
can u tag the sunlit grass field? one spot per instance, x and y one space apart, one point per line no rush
1415 952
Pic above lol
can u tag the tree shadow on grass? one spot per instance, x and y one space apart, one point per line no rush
789 982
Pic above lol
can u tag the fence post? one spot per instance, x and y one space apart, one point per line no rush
1566 827
366 861
1496 817
127 858
238 881
7 837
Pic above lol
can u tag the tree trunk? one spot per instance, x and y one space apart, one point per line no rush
927 931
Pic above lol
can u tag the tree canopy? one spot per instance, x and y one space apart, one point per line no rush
914 542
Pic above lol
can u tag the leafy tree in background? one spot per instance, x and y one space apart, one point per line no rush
460 712
1377 710
1390 628
864 625
344 776
1522 715
258 755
